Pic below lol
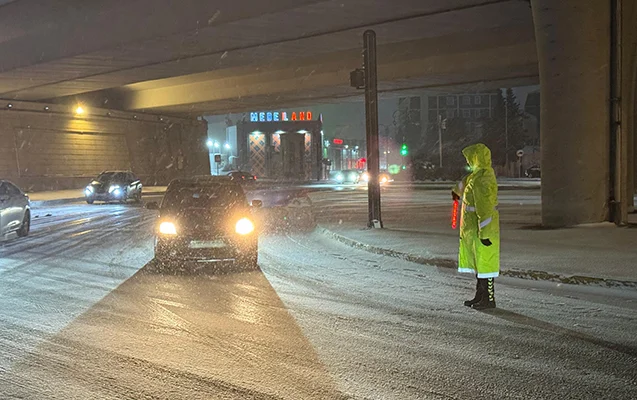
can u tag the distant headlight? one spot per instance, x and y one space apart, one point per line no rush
113 188
365 177
353 177
339 177
167 228
383 179
244 226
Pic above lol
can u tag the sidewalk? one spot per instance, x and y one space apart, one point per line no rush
600 254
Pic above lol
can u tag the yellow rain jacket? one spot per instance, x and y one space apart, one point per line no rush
480 217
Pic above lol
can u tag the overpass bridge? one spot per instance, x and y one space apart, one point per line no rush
177 60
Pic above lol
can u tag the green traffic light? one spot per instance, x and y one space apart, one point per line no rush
404 150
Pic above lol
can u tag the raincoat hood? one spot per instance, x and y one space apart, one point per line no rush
478 156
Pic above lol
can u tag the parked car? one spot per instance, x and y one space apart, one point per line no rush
206 218
533 172
15 210
119 186
242 176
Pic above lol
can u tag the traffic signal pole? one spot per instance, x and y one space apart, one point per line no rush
371 117
367 78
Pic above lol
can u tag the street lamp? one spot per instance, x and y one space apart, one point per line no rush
216 144
227 146
209 143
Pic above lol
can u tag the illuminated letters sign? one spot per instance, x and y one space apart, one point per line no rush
280 116
338 141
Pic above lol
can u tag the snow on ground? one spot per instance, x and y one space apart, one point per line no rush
85 311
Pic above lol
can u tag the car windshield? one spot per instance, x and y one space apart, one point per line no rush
111 176
210 196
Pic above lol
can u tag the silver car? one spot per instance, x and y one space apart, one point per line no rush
15 210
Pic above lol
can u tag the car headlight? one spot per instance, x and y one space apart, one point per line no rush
383 179
113 188
89 190
167 228
339 177
365 177
244 226
353 177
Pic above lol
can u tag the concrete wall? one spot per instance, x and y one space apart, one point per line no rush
46 147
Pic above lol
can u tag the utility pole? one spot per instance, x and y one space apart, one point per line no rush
367 78
440 138
506 131
371 117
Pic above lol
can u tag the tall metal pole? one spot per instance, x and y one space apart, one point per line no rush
506 132
371 122
440 138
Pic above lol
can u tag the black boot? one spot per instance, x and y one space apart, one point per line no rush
488 298
477 297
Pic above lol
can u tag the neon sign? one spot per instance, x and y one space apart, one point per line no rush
338 141
280 116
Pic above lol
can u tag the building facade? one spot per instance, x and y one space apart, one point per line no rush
471 107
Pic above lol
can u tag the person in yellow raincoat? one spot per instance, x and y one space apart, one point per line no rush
479 252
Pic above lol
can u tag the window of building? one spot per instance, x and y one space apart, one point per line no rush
466 113
466 100
451 101
477 113
477 99
451 113
433 102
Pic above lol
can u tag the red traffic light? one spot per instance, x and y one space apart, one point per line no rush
338 141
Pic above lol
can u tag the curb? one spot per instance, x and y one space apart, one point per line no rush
445 187
57 202
453 264
437 261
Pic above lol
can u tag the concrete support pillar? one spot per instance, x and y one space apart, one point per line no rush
573 43
629 93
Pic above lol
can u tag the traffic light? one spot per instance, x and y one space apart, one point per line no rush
404 150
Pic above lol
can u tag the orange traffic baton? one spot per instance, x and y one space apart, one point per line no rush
454 214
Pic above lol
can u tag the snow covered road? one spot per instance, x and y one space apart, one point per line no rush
85 313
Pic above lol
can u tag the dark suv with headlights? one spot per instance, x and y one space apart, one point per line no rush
206 219
119 186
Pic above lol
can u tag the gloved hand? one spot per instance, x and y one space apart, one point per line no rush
454 195
486 242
